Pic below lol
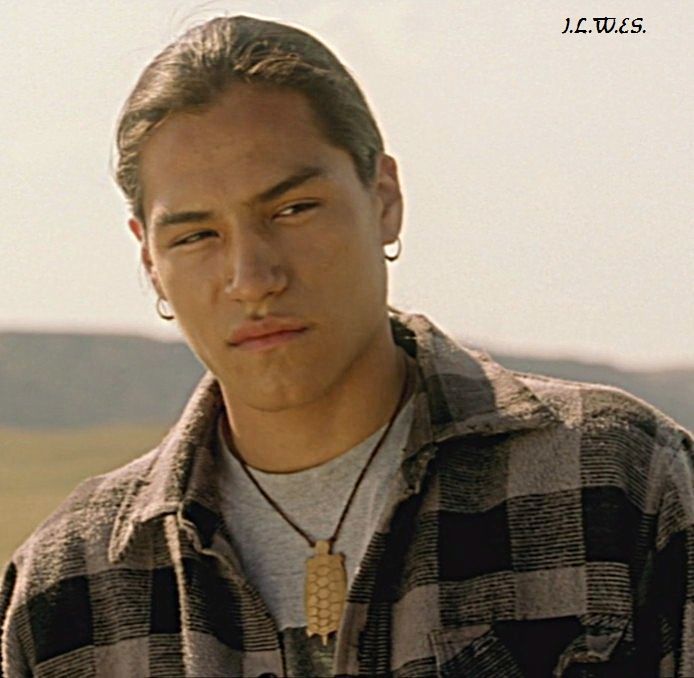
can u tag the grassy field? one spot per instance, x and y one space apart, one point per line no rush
40 468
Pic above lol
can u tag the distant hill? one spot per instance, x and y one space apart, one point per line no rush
56 380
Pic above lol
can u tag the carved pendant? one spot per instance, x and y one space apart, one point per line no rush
326 590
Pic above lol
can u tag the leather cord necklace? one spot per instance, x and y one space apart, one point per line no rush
326 577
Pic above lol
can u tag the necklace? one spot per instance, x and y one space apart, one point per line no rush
326 576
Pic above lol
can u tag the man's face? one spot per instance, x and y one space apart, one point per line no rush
225 250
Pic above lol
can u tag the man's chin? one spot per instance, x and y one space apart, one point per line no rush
272 390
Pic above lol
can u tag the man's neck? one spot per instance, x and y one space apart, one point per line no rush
299 438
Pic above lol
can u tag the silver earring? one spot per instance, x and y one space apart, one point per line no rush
162 315
393 257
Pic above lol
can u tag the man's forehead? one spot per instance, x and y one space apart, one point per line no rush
190 151
171 181
244 113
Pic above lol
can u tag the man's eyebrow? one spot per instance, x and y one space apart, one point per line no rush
292 181
299 177
172 218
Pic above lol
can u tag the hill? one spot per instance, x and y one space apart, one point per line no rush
57 380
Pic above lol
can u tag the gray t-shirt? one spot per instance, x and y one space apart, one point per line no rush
273 555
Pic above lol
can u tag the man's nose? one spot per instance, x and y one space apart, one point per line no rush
256 268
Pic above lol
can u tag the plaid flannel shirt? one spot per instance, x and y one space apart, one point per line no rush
541 528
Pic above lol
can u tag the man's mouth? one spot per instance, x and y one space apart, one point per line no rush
268 341
270 331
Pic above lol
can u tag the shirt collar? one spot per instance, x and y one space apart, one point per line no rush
460 391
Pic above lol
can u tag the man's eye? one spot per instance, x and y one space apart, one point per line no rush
196 237
296 208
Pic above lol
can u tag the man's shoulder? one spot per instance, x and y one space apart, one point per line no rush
615 441
80 528
606 465
594 407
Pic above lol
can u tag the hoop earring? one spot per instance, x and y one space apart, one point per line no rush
393 257
161 313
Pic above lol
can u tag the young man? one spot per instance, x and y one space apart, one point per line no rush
348 492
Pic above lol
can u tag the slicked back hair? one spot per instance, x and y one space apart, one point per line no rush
197 68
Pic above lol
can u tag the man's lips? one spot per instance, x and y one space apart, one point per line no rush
269 340
269 331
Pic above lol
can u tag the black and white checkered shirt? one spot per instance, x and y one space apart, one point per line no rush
541 528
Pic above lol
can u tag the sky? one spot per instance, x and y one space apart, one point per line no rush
547 177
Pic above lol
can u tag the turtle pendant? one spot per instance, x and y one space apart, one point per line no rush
326 590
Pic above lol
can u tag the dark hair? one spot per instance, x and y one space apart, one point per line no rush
205 61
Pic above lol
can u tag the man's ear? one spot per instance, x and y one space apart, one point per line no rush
139 232
387 187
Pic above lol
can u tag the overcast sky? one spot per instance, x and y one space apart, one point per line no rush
547 176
